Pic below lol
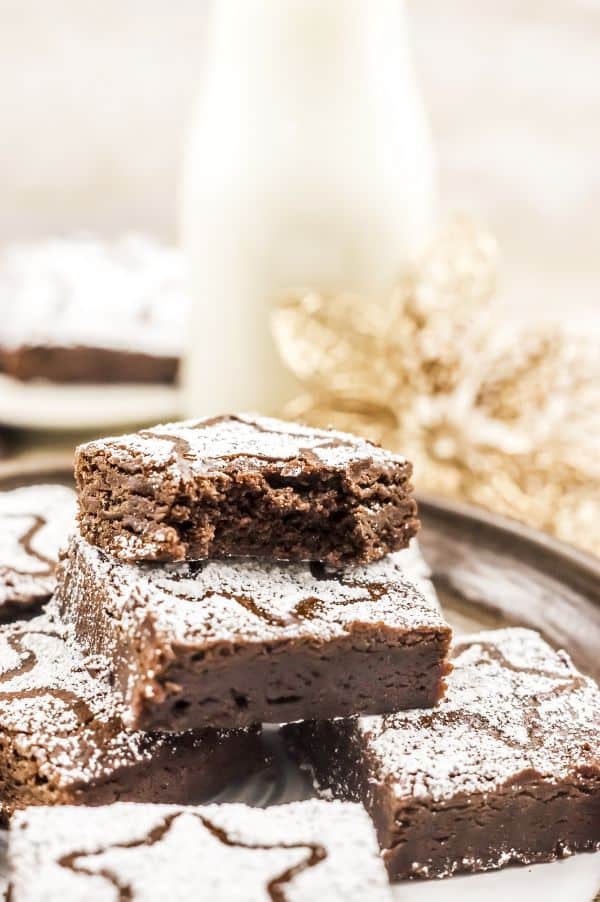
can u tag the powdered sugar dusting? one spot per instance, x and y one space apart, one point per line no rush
49 702
60 713
512 705
202 446
415 568
298 852
35 523
250 600
130 294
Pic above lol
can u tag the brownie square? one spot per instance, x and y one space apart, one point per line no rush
505 770
35 522
83 309
235 642
243 485
299 852
62 739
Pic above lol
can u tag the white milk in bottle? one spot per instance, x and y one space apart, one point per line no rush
309 166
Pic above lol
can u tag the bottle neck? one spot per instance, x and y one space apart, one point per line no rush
311 45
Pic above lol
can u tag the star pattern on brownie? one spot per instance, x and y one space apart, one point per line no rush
188 849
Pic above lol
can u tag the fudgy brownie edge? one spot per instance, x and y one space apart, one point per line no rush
62 738
237 485
89 366
229 643
505 770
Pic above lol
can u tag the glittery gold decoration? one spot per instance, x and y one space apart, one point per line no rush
506 419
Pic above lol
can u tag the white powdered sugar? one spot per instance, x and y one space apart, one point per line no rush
247 600
224 853
204 446
513 705
129 294
56 711
35 523
415 568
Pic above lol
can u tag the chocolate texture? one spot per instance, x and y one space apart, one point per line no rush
234 642
62 739
505 770
244 485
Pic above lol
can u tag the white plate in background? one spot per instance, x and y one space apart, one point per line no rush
56 407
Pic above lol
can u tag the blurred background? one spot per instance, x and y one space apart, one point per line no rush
95 99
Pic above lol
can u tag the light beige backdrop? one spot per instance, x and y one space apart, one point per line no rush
94 97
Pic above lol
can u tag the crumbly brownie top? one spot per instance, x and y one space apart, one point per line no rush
203 447
58 711
35 522
248 600
301 851
128 294
513 706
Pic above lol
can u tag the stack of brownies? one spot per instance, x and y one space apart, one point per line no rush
238 570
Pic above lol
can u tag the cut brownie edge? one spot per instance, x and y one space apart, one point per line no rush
86 366
190 767
357 673
63 741
505 770
228 643
468 836
142 501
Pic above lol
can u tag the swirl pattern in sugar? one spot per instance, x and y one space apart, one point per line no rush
207 445
35 523
513 706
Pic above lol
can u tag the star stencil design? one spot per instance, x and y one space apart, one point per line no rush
186 849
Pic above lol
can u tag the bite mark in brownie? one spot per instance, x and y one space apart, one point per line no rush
505 770
303 851
62 739
234 642
243 485
35 523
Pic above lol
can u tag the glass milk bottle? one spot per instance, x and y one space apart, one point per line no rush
309 166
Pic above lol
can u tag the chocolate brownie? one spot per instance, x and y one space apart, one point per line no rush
35 522
90 310
506 770
62 739
229 643
302 852
244 485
